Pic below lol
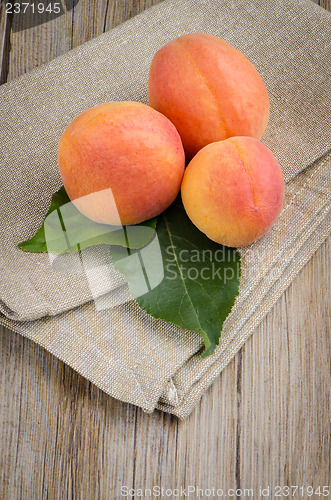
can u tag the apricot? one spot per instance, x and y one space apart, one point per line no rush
233 190
209 90
121 162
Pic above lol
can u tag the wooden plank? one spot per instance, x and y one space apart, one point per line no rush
38 44
5 29
87 19
326 4
119 11
265 420
285 438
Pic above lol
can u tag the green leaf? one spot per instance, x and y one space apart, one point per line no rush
182 276
65 229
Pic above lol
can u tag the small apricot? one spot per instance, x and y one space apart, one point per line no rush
209 90
233 190
121 162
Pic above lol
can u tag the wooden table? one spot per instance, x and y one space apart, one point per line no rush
264 422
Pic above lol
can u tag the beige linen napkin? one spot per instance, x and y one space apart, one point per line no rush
121 349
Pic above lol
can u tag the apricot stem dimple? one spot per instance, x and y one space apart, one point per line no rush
200 73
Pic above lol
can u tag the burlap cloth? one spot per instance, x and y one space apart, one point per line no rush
122 350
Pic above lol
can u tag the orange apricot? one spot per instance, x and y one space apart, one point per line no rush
233 190
121 162
209 90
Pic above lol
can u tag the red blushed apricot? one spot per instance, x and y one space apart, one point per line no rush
233 190
121 162
209 90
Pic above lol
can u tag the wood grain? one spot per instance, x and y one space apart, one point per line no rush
264 422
